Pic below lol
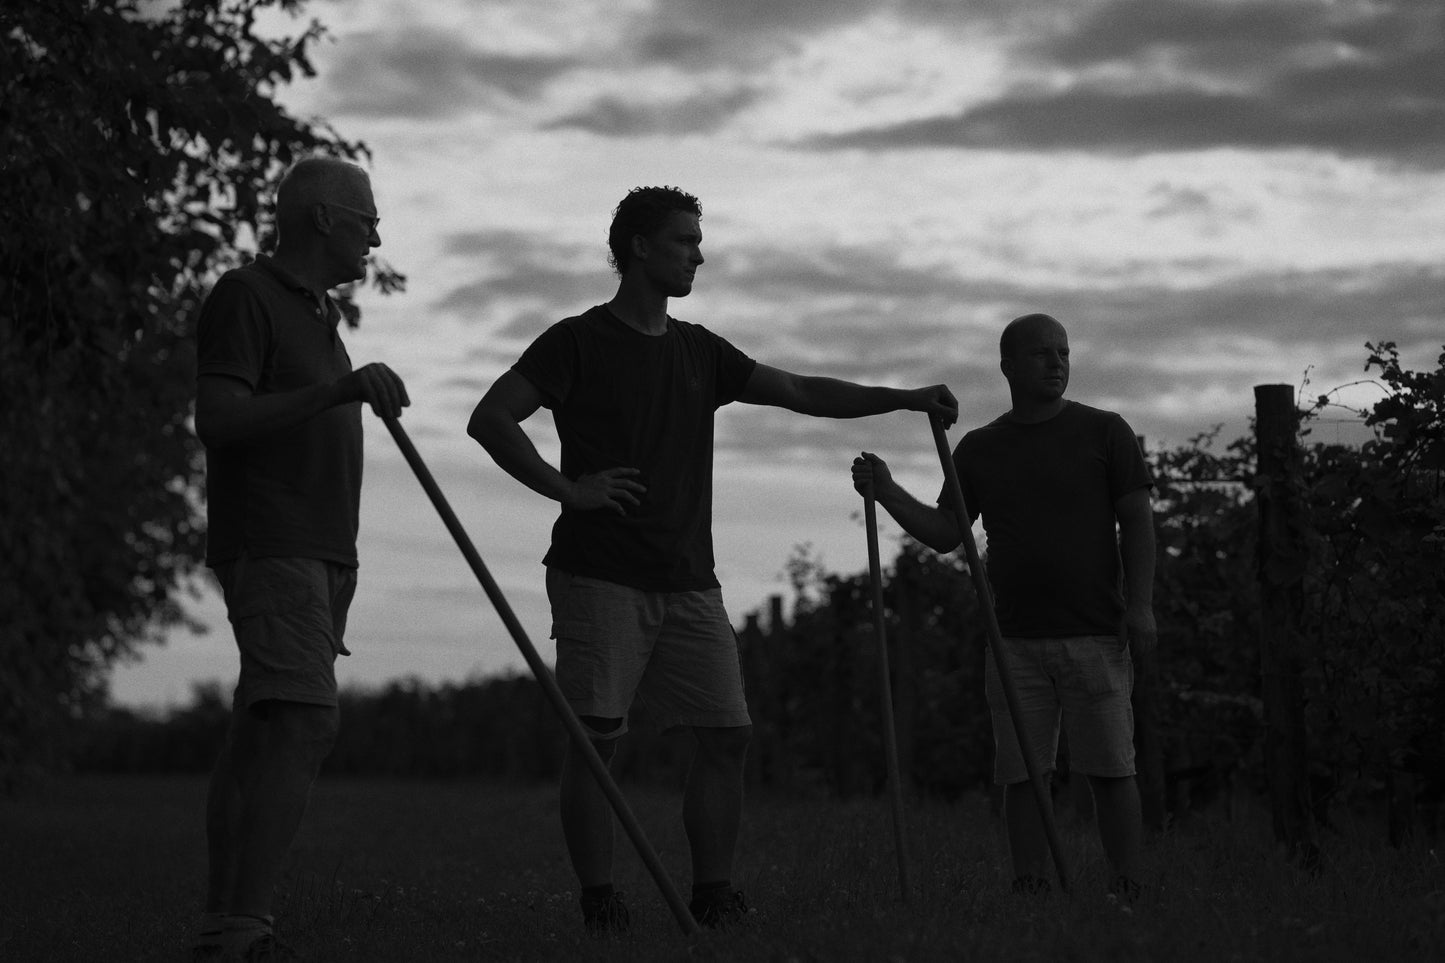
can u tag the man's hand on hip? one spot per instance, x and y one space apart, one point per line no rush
612 489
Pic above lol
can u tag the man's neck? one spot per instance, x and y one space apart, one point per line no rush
302 269
640 308
1033 412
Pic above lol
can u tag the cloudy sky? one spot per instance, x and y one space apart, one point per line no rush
1211 194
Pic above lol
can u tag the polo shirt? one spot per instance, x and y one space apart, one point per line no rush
294 492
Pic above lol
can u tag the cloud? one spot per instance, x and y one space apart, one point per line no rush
1164 75
1128 123
853 302
705 50
698 113
519 268
1172 357
430 74
752 18
1114 77
1203 34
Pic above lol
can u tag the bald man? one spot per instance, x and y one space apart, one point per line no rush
278 408
1064 494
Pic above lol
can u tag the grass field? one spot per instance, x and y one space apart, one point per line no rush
110 869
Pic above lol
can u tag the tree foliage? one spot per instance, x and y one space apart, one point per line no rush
1369 546
1206 600
500 726
813 685
1375 590
137 148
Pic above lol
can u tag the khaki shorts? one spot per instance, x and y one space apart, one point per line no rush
289 617
674 654
1085 681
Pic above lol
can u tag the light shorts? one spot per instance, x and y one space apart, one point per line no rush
672 653
1085 681
289 618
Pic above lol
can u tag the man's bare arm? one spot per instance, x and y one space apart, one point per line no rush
1137 551
933 525
229 412
496 424
834 398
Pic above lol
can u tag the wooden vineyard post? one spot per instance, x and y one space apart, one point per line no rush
1283 556
1147 749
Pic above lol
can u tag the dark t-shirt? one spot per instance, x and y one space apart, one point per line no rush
295 492
1046 492
623 399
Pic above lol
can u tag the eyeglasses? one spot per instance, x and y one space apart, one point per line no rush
374 219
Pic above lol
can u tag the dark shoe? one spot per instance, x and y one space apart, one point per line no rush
208 944
723 908
605 914
268 949
1124 891
1027 885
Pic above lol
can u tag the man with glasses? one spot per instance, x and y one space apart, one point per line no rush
278 408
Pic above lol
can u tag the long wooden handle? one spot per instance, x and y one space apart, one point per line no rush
954 492
890 736
543 674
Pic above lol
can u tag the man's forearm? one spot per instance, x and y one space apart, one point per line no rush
834 398
931 525
225 418
513 451
1136 551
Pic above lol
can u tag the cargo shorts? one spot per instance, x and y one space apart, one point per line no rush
674 654
289 619
1085 682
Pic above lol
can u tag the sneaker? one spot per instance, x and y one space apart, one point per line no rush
1124 890
723 908
1027 885
209 940
605 914
268 949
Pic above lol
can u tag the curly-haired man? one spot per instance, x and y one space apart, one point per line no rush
637 611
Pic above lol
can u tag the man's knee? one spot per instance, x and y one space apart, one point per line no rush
1017 793
308 730
1107 788
728 742
603 733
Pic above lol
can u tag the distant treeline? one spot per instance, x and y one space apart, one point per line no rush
813 689
495 726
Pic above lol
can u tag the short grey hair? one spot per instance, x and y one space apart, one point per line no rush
316 179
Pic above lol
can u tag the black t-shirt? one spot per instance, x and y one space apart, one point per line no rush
621 398
1046 492
295 492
